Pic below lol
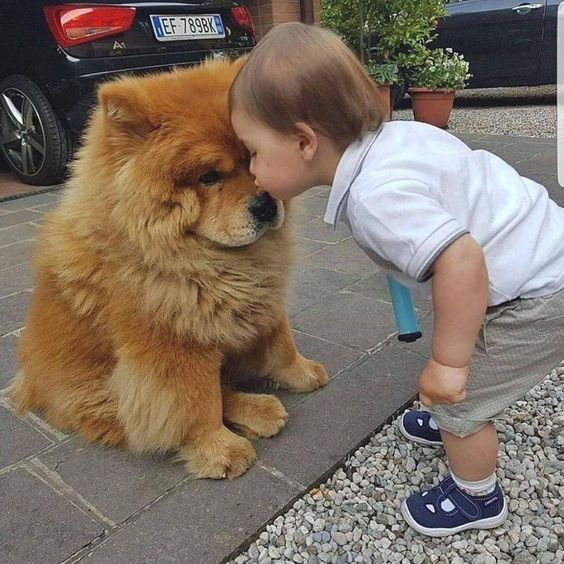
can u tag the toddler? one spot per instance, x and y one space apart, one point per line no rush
461 227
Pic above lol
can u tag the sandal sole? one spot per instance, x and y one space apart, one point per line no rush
489 523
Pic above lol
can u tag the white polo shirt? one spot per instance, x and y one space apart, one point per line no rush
410 190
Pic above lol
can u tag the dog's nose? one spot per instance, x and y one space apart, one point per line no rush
263 207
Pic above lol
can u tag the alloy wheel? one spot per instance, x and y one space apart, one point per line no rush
22 137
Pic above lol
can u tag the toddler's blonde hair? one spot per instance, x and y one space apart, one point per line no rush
301 73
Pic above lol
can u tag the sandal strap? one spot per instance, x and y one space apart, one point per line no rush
462 501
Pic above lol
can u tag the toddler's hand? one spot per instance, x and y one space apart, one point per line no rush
440 384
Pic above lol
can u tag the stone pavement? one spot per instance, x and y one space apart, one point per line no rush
65 501
12 188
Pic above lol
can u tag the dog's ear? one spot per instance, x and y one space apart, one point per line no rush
121 103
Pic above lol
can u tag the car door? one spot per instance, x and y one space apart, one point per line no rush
501 39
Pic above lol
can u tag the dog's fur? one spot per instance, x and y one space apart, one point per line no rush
150 282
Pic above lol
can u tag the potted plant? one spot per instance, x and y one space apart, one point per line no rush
435 82
384 75
386 31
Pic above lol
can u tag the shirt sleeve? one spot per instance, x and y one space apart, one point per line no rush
402 222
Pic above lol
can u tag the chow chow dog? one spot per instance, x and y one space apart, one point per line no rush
162 268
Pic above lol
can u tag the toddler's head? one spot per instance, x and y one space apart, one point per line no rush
300 81
301 73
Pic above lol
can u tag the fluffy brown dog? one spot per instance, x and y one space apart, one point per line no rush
162 266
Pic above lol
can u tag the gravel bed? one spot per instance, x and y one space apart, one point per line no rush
355 516
528 112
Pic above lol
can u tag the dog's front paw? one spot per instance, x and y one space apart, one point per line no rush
302 376
218 454
255 415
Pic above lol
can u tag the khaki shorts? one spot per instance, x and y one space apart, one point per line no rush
519 343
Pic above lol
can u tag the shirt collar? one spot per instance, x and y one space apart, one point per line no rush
347 170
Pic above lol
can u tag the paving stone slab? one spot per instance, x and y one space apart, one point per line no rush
16 253
15 279
345 256
488 144
313 284
306 247
30 202
535 140
311 204
46 208
18 217
316 229
544 161
202 522
468 137
8 359
18 439
348 319
13 311
376 286
38 525
373 286
116 482
334 356
322 430
320 191
17 233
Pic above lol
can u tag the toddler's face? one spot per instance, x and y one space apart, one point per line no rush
276 161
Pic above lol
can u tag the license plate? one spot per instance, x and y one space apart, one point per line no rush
177 28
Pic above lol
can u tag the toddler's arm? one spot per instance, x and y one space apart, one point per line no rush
460 297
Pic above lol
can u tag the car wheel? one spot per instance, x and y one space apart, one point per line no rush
32 140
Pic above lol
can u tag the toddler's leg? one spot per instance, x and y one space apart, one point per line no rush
470 498
472 458
519 343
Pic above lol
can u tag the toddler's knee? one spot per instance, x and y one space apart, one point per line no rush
459 427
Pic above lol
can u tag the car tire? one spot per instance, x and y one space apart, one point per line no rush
33 141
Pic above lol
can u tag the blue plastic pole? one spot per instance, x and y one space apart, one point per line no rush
404 312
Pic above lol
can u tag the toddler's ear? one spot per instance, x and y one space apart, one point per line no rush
123 106
308 141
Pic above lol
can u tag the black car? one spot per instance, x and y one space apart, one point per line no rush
506 42
52 56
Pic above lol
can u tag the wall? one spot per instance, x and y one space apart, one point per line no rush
268 13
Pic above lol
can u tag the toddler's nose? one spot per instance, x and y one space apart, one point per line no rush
263 207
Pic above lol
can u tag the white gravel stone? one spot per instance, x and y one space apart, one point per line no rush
528 112
365 525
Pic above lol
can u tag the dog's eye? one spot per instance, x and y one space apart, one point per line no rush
210 177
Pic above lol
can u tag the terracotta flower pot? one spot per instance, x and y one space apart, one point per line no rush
432 106
385 93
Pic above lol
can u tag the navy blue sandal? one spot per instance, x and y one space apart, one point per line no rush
416 426
447 510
